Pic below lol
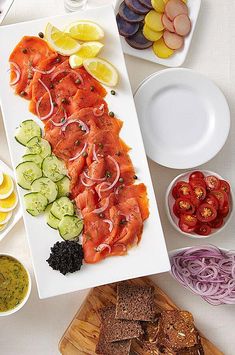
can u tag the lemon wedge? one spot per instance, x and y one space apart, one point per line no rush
102 71
1 177
6 187
75 61
2 226
5 217
61 41
85 31
87 50
9 203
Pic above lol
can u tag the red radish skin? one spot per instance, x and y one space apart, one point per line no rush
175 8
172 40
182 25
168 24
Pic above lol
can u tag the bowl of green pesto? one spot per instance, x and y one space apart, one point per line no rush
15 285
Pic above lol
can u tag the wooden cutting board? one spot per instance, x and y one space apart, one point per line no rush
81 336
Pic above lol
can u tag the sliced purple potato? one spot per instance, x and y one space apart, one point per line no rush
137 7
138 41
129 15
125 28
147 3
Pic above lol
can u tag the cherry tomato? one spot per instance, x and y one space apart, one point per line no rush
196 175
203 229
197 182
176 211
188 219
185 228
212 183
217 223
221 196
182 188
184 205
224 211
224 186
195 201
206 213
199 192
212 200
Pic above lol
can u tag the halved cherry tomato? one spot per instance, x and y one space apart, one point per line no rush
224 211
206 213
182 188
217 223
185 228
212 183
195 201
184 205
176 211
199 192
224 186
203 229
212 200
197 182
196 175
188 219
221 196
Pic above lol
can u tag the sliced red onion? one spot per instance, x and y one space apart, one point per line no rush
120 187
79 154
39 101
81 123
94 179
117 175
67 71
98 111
103 208
208 272
43 71
17 72
110 223
100 187
95 157
86 184
102 247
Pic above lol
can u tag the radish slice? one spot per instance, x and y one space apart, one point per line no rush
168 24
39 101
98 111
94 179
103 208
79 154
102 247
110 223
43 71
81 123
174 8
17 72
172 40
182 25
86 184
95 157
117 176
67 71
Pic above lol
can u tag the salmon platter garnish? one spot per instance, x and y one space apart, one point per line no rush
102 210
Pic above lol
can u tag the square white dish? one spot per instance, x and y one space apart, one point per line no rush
150 256
178 58
17 212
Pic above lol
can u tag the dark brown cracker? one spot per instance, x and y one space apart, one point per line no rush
115 329
135 302
117 348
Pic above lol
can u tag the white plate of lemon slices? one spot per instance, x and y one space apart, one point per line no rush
10 211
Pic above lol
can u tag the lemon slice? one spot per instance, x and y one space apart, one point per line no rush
61 41
1 177
6 187
85 31
102 71
2 226
9 203
5 217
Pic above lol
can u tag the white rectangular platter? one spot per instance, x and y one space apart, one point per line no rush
150 256
178 58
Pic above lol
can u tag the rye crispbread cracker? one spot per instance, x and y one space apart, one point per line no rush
117 348
135 302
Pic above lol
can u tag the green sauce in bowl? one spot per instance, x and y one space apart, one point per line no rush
14 283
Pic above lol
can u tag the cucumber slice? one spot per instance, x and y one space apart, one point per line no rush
61 207
27 130
38 146
53 168
52 221
37 159
35 203
26 173
63 186
70 227
46 187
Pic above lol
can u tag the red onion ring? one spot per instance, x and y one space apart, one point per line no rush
39 101
100 187
86 184
67 71
43 71
17 72
103 208
207 271
81 123
102 247
95 157
98 111
79 154
94 179
110 223
117 176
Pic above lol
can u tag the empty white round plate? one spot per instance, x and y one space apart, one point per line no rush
184 118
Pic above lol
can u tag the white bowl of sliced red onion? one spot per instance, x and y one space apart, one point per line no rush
207 271
199 204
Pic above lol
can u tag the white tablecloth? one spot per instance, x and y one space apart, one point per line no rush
37 328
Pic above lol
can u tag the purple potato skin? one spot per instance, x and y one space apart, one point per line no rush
126 29
137 7
146 3
138 41
129 15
